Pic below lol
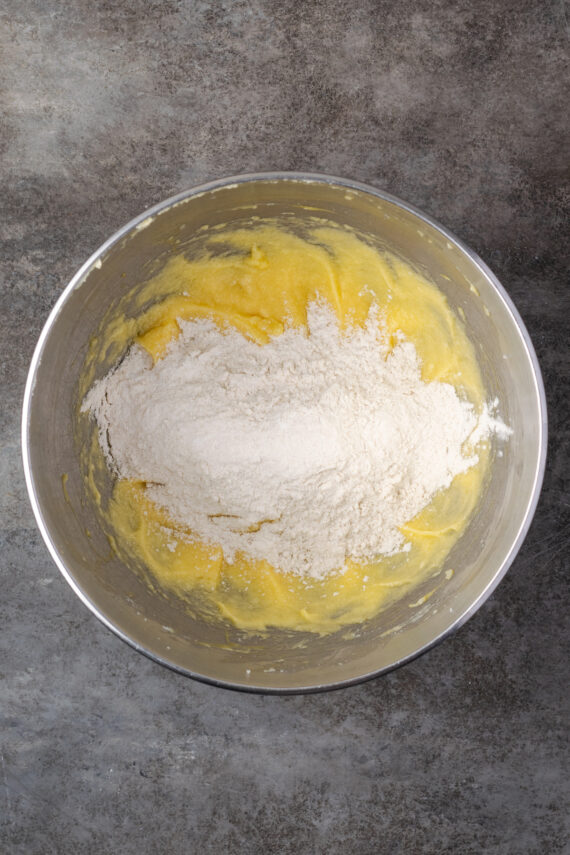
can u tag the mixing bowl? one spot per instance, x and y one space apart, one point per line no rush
159 625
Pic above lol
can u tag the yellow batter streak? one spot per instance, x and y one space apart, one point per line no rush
260 280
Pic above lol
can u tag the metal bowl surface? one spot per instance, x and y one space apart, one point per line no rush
281 662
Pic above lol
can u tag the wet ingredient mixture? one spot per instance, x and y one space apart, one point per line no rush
298 430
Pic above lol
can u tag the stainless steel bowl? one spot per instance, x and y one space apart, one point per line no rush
158 625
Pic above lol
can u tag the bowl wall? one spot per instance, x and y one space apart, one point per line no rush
159 625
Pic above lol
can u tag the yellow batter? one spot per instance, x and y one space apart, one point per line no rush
260 279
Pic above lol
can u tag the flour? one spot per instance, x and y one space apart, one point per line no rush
309 450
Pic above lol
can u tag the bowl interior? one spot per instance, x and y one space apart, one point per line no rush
159 625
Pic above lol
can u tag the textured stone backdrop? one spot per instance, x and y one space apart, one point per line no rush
458 107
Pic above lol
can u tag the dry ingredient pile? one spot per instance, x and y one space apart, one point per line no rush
312 449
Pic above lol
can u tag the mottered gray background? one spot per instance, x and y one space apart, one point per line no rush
108 107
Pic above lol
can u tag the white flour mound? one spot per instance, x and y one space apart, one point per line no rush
305 451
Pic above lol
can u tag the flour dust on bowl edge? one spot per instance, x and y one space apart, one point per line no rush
281 662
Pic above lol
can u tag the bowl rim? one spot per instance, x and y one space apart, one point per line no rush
139 222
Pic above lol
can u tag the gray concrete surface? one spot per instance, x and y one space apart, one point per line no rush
458 107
